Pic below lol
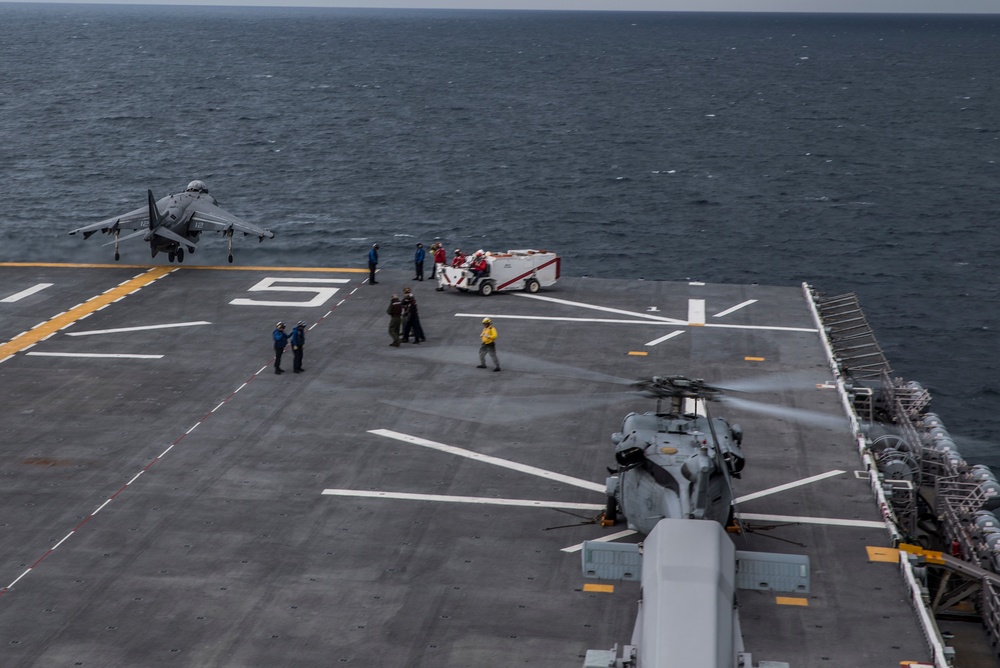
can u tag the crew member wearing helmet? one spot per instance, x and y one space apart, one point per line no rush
298 343
440 258
489 338
478 267
280 341
372 263
458 259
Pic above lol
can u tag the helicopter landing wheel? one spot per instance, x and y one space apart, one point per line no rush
610 516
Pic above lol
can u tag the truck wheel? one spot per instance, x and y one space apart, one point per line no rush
486 288
532 285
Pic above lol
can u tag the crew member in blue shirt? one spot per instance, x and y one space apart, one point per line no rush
372 263
298 342
280 341
418 260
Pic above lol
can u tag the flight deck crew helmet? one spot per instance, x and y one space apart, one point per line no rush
280 324
487 321
302 323
374 245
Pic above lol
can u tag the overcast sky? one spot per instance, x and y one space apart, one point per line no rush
910 6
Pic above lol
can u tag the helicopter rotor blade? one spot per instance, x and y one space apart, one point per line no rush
800 415
518 362
771 382
515 409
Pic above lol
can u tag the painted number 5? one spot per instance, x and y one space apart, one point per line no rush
271 284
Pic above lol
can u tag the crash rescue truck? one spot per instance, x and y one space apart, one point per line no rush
528 270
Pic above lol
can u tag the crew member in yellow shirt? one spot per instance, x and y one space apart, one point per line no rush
489 338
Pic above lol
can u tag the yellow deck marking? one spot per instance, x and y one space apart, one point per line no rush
638 353
70 265
604 589
325 270
33 336
888 555
932 556
791 600
753 359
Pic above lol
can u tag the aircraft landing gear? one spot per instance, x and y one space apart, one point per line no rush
230 258
171 256
180 254
610 516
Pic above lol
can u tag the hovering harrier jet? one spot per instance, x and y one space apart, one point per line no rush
175 222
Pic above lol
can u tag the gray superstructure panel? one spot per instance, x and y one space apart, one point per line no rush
219 547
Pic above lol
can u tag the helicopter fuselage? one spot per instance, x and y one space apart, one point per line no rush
676 466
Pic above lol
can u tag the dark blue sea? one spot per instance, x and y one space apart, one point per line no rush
853 152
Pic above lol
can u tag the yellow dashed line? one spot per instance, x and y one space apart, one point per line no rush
33 336
753 359
604 589
638 353
70 265
325 270
791 600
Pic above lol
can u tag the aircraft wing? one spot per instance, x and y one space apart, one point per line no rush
133 220
210 217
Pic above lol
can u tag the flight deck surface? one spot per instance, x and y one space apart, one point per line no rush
171 501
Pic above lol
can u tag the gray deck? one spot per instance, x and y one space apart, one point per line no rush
218 546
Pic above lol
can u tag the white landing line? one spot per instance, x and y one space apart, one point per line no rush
665 338
555 318
792 519
722 314
602 539
788 486
496 461
139 329
100 355
648 316
25 293
663 322
446 498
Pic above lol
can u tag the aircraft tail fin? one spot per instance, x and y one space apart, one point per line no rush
154 213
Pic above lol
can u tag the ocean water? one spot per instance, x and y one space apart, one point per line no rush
855 153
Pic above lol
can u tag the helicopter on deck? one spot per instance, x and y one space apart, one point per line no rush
675 463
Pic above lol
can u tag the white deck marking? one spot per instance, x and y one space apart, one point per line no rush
447 498
99 355
665 338
827 521
722 314
272 284
496 461
602 539
696 312
772 328
788 486
566 319
139 329
17 296
658 318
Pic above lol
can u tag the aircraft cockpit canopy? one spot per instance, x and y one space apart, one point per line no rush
197 187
